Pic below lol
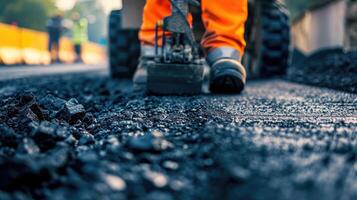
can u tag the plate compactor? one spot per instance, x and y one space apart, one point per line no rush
177 67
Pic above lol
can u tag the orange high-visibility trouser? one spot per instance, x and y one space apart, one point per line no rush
224 21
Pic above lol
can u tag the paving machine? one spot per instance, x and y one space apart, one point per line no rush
178 65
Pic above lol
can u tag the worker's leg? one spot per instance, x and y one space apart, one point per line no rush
55 48
154 11
78 50
224 43
224 21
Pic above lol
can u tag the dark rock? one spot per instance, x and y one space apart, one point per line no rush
28 101
26 98
47 134
50 102
7 136
36 109
88 156
46 129
72 111
55 158
27 116
19 171
86 139
151 142
62 132
89 119
71 140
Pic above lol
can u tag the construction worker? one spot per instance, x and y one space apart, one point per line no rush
223 41
79 33
55 29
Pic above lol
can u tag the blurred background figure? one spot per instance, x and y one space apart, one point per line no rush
79 33
55 29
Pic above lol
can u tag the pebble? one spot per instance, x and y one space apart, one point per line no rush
156 178
151 142
115 182
171 165
28 146
239 174
86 139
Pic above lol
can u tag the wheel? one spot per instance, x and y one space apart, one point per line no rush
268 39
124 48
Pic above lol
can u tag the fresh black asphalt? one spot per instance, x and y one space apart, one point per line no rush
89 137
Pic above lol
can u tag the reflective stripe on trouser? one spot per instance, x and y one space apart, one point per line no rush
224 21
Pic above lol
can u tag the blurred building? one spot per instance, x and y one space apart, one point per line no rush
328 24
351 24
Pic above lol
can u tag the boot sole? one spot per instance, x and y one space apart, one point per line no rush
229 81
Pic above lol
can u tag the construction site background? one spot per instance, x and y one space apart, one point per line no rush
351 24
329 24
29 45
25 46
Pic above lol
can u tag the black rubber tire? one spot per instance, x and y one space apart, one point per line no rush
124 48
268 39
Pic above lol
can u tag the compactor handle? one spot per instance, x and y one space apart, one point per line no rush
194 3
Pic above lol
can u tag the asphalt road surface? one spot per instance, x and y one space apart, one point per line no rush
13 72
88 137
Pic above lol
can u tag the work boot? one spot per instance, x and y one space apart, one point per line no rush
140 76
227 74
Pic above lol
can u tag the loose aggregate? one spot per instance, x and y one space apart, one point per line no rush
332 68
89 137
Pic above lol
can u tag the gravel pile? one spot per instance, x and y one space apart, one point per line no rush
87 137
333 68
